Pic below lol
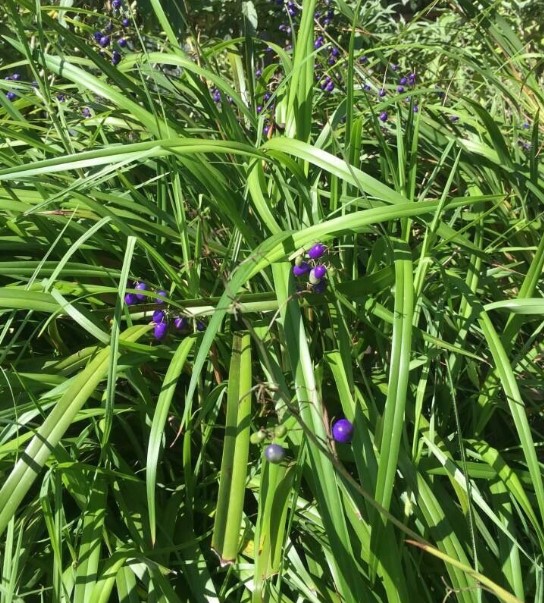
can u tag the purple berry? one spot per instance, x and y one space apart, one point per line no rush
97 36
161 295
320 271
104 41
122 42
400 89
319 42
383 116
115 57
125 22
342 431
403 81
86 112
363 60
16 77
381 93
141 287
200 325
316 251
160 330
130 299
180 323
11 96
158 316
274 453
301 270
116 4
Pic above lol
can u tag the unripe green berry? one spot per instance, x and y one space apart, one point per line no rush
258 437
280 431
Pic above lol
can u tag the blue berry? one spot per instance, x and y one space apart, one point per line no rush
301 270
200 325
316 251
159 316
122 42
104 41
319 42
97 36
141 287
86 112
116 57
130 299
161 295
383 116
160 330
116 4
125 22
11 96
381 93
320 271
16 77
400 89
180 323
403 81
274 453
342 431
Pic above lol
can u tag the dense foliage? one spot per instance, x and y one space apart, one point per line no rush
271 302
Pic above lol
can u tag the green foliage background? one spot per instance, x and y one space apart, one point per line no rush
128 465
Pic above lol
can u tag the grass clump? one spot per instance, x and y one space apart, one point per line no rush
216 250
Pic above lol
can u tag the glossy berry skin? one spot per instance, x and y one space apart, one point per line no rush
97 36
16 77
342 431
116 4
115 57
302 269
180 323
86 112
11 96
160 330
158 316
104 41
200 325
125 22
383 116
122 42
274 453
320 271
317 251
130 299
140 287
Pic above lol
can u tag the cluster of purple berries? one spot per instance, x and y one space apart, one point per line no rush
315 270
160 316
103 38
14 77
